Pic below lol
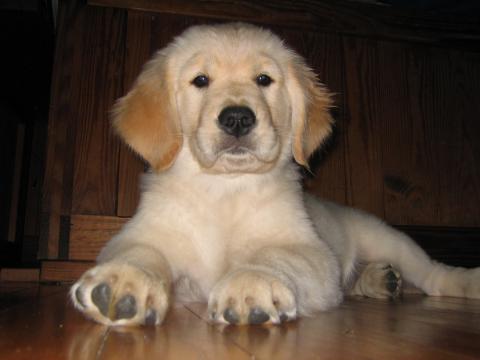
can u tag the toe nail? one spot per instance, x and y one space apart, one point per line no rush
151 318
391 276
101 295
392 286
283 317
257 316
126 308
79 297
231 316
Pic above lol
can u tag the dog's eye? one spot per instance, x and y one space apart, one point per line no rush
200 81
263 80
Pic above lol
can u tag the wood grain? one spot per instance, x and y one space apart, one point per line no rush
63 271
454 246
363 142
88 234
410 192
455 126
323 52
344 17
96 149
46 326
60 134
14 274
130 165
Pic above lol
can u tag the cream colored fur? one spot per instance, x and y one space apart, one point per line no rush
234 228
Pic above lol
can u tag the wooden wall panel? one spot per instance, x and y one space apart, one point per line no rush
455 125
324 53
363 155
130 165
407 136
88 234
96 151
410 192
66 82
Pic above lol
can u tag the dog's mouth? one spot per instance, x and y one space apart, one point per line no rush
237 150
252 153
236 147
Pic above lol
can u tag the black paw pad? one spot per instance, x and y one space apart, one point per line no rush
391 282
151 317
125 308
231 316
257 316
101 295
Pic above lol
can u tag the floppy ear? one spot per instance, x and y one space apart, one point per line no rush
311 120
146 118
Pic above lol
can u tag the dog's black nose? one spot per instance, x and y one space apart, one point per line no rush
236 120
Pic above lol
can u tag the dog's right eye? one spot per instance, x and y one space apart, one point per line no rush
200 81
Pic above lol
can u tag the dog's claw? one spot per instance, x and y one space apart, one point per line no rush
257 316
151 318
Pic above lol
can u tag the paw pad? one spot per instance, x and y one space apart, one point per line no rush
126 308
101 295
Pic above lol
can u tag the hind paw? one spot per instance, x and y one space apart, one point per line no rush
379 281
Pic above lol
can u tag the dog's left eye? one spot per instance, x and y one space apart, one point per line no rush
263 80
200 81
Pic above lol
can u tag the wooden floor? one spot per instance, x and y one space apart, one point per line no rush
38 322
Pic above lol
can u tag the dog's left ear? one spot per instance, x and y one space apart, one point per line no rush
146 118
311 119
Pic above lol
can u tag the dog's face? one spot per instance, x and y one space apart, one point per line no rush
234 94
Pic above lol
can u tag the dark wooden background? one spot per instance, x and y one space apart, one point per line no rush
407 139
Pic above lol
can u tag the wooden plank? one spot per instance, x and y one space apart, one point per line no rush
411 192
345 17
16 182
48 327
427 154
130 165
183 335
96 149
363 156
61 132
11 274
88 234
412 328
63 271
455 127
323 52
31 228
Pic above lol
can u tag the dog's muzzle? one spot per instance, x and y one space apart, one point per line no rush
237 121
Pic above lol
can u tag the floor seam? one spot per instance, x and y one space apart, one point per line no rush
252 356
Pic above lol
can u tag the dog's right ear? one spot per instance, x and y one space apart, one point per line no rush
146 118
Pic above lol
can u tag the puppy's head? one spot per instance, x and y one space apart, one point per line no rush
233 94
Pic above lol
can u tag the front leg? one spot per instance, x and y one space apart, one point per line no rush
277 284
129 286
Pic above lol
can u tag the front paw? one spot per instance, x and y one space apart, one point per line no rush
251 297
120 294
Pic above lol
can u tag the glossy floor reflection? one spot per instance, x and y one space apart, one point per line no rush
37 322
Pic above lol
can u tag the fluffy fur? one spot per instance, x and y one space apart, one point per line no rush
223 218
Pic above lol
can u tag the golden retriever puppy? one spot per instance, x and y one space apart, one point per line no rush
218 114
